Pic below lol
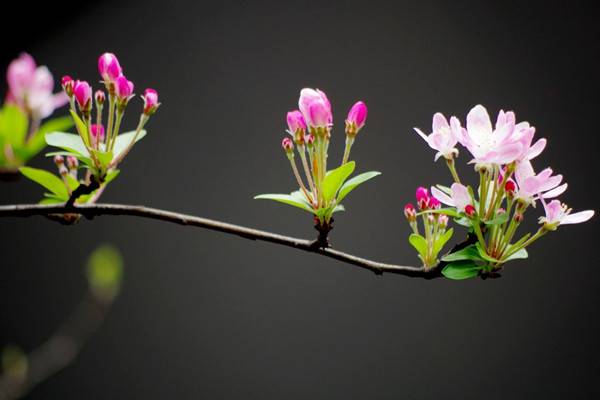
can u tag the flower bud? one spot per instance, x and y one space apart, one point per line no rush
434 203
410 213
443 221
518 217
422 198
67 85
100 98
59 160
315 108
510 187
309 140
296 126
357 116
288 146
83 94
150 101
430 218
72 162
108 67
97 133
470 210
124 88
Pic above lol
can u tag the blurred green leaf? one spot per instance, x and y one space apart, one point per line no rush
14 362
442 240
68 142
497 220
354 182
459 270
13 125
47 180
334 180
521 254
38 141
105 271
419 243
123 140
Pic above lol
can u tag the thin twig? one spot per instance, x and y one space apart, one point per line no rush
93 210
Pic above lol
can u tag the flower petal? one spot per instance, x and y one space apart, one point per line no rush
577 218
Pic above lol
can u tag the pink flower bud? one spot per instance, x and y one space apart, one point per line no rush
410 213
67 84
83 94
150 101
100 97
443 221
518 217
295 122
315 108
109 67
422 198
357 116
434 203
469 210
288 145
97 132
309 140
124 87
72 162
59 160
510 187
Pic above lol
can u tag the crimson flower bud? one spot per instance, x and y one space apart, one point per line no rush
150 101
100 97
67 85
434 203
410 213
109 68
97 132
469 210
422 198
510 187
83 94
518 217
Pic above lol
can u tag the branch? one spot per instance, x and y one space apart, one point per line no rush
93 210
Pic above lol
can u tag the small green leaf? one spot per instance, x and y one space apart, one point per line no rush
445 189
334 180
484 255
459 270
47 180
464 221
13 125
67 141
521 254
497 220
105 157
468 253
286 199
442 240
338 208
81 128
122 141
354 182
419 243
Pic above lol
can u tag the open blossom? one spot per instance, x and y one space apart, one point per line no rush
30 87
531 186
315 107
444 136
459 196
559 214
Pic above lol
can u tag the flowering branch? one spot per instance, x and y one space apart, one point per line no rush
93 210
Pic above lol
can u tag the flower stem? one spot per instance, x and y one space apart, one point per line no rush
349 143
452 167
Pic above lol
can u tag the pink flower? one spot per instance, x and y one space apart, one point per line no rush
124 87
109 67
150 101
315 108
410 213
459 196
357 115
30 87
487 145
83 94
444 136
287 144
295 122
422 197
97 132
532 187
558 214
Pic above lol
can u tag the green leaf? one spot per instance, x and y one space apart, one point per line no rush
13 125
464 221
332 182
442 240
451 212
521 254
111 176
468 253
484 255
286 199
67 141
38 141
105 157
338 208
497 220
419 243
354 182
123 140
47 180
81 128
459 270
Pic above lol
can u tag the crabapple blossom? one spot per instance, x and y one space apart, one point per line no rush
444 136
559 214
459 196
315 107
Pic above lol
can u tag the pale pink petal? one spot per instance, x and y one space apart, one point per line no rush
577 217
460 195
478 122
550 183
536 149
442 197
555 192
439 122
509 153
423 135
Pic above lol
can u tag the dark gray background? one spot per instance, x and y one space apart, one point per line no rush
203 315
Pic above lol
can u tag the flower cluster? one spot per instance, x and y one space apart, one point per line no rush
320 190
508 186
29 100
97 148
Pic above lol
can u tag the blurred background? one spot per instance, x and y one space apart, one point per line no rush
204 315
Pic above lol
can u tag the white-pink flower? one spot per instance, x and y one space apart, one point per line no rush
559 214
443 137
489 145
459 196
532 186
30 87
